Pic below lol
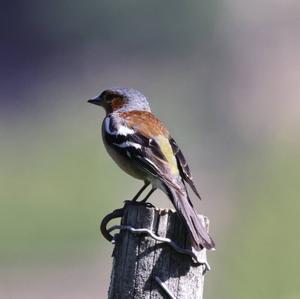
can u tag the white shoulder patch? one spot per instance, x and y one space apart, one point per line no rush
119 130
123 130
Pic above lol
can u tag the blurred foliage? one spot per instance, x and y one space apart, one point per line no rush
54 189
263 244
132 25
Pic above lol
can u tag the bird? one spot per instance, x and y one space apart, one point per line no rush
143 147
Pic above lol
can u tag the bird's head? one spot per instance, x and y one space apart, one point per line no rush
121 99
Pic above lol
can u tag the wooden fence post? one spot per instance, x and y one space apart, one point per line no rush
146 268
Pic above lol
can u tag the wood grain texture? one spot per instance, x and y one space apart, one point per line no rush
138 259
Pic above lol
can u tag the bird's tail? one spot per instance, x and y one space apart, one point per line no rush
199 235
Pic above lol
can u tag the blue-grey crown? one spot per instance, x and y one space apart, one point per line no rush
135 99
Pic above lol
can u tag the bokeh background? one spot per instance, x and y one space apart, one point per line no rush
223 75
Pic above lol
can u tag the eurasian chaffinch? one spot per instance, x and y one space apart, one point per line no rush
143 147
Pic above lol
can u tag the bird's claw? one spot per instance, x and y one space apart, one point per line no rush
138 203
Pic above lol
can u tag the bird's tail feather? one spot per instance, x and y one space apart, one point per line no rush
199 235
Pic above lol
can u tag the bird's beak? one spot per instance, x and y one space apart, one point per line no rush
95 101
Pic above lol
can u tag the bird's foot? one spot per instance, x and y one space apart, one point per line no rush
149 204
139 203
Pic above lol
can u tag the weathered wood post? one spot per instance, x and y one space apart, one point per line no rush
144 267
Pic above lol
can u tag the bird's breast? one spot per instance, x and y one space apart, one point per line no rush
122 158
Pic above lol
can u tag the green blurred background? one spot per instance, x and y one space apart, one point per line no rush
223 75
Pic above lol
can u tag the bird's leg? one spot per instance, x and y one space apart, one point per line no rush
149 194
146 184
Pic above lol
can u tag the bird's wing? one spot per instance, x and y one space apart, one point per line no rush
183 166
148 125
141 130
140 136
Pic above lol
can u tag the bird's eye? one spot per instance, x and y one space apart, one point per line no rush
110 97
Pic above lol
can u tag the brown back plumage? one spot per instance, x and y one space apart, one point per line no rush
145 122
